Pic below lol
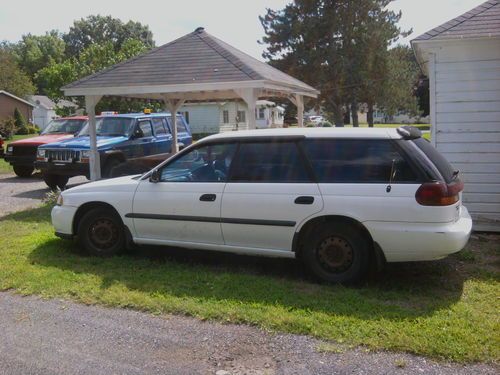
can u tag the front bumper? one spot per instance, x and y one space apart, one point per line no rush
62 220
63 169
403 242
26 160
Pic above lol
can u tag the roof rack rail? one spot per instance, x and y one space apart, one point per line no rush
409 132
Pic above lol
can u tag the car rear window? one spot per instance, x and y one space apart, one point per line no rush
357 161
439 161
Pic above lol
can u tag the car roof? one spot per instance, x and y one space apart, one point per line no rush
72 118
374 133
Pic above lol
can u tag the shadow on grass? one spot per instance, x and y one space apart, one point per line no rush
401 291
35 215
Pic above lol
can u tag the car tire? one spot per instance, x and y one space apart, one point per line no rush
100 233
23 171
337 253
55 181
107 171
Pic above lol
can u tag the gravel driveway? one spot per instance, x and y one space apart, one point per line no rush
60 337
18 194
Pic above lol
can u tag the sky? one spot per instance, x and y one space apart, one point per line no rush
234 21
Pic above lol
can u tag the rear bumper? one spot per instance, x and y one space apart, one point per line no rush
26 160
403 242
62 220
63 169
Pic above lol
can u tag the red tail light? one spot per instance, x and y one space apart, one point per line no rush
439 193
1 142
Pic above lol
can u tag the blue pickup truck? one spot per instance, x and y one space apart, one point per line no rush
122 139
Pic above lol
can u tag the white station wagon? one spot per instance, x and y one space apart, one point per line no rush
338 199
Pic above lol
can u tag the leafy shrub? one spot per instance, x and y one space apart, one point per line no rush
7 128
325 124
33 129
22 131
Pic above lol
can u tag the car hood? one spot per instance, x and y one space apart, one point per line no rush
42 139
119 184
84 142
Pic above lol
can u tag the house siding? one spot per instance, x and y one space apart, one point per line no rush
8 106
467 121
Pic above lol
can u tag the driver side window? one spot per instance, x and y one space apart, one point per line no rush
204 164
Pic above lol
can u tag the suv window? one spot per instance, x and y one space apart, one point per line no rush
269 162
181 127
357 160
159 126
204 164
145 127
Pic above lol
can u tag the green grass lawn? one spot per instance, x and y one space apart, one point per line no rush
4 166
446 309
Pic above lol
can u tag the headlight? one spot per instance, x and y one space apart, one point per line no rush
40 154
59 201
9 149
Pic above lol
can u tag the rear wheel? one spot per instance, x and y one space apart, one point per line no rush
100 233
23 171
337 252
55 181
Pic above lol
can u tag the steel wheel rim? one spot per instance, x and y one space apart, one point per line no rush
335 254
103 233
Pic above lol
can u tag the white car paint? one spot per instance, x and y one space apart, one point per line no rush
404 230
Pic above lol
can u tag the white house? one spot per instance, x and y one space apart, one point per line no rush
216 117
462 60
45 109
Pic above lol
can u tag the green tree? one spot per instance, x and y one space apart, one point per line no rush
35 52
325 43
101 29
20 122
12 78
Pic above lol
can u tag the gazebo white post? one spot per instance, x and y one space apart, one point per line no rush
95 161
173 105
298 100
250 98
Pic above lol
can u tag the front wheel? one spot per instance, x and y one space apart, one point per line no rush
55 181
23 171
337 253
100 233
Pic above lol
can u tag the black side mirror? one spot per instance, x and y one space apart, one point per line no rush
155 176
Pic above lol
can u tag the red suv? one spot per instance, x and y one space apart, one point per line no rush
22 154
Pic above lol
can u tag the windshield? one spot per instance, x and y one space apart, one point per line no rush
110 126
60 126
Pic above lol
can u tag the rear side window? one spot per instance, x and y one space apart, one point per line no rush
443 166
159 126
181 126
269 162
357 160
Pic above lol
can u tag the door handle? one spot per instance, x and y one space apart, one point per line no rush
208 197
304 200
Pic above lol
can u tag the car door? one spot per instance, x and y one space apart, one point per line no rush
163 137
143 140
184 205
270 191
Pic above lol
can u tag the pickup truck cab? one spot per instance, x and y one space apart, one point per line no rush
120 138
22 154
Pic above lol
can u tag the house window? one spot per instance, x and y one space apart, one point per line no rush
225 117
261 115
242 116
186 116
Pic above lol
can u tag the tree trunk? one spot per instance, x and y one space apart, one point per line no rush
369 115
347 115
354 112
338 117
